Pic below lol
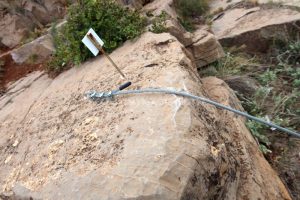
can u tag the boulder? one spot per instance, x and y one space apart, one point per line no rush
256 27
293 3
243 85
175 29
13 29
55 144
217 6
35 52
205 48
19 18
46 11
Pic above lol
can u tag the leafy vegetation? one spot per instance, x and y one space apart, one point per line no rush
267 77
37 32
159 23
114 24
278 97
257 130
230 64
187 24
191 8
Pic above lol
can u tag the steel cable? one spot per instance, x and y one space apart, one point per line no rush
104 95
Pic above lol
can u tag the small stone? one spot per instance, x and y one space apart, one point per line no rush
214 151
93 136
15 143
7 159
55 146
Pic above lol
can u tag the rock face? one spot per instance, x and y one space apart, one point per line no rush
57 145
243 85
138 4
219 5
34 52
13 29
18 18
203 46
255 27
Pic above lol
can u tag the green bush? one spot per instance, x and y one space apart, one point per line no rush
290 53
159 23
187 24
268 77
114 24
191 8
257 130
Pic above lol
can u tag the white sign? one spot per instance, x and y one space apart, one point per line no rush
90 44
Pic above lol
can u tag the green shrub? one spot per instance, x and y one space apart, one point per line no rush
278 97
257 130
288 53
267 77
113 23
159 23
187 24
191 8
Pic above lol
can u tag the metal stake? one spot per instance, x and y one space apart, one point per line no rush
93 40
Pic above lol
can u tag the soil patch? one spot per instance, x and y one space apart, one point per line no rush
11 71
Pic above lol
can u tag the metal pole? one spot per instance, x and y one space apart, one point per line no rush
112 62
95 43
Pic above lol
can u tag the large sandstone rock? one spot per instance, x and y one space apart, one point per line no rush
294 3
13 29
244 85
203 46
158 6
220 5
18 18
255 27
46 11
138 4
55 144
34 52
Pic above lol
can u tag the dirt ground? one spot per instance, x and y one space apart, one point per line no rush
285 159
12 72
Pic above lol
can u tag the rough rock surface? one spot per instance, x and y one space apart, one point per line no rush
13 29
219 5
158 6
138 4
255 27
295 3
18 18
203 46
174 28
34 52
243 85
57 145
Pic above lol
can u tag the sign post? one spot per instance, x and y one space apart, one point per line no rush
95 45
